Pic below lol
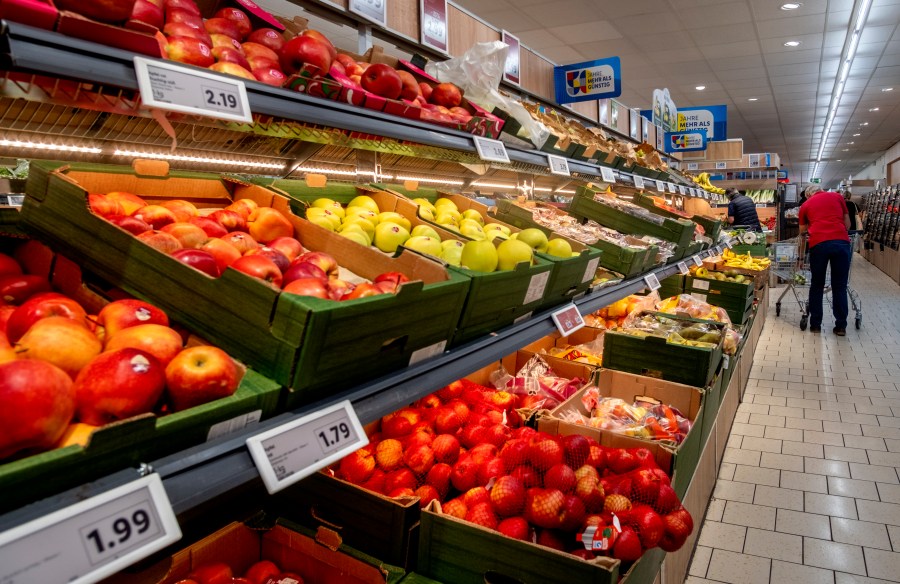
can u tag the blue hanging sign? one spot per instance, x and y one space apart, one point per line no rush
712 118
588 81
685 141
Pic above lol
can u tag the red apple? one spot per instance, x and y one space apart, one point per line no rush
42 306
325 261
262 571
230 55
130 202
259 267
119 384
246 208
410 89
258 62
184 17
289 246
241 241
258 51
155 339
307 287
148 13
156 216
130 224
270 224
102 205
224 253
128 312
301 270
9 266
382 80
363 290
198 375
102 10
199 259
17 288
212 227
270 76
38 404
183 210
239 17
268 37
220 40
190 51
425 89
305 49
180 29
223 26
231 69
188 235
163 242
188 5
63 342
230 220
338 288
446 94
346 60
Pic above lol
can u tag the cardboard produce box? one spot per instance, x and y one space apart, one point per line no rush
309 344
494 300
711 226
125 443
543 345
678 460
318 557
735 298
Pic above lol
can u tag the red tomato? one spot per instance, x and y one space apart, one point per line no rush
261 571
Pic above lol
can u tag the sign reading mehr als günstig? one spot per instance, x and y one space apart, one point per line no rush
590 80
685 141
712 118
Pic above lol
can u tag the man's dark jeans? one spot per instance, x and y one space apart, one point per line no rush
838 253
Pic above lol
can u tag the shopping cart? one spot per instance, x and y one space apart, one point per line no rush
791 264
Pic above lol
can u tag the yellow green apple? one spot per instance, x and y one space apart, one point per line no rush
366 202
389 236
424 244
479 256
513 252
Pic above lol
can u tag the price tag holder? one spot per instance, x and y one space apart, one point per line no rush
491 150
92 539
168 86
558 165
683 269
12 200
698 261
638 182
682 190
293 451
728 243
672 188
660 186
608 175
567 319
652 282
427 352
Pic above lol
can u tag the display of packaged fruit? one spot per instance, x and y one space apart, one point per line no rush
693 307
676 332
536 385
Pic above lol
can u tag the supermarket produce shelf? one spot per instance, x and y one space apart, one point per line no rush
37 51
197 476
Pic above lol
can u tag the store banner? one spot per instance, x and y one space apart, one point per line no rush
712 118
433 15
685 141
588 81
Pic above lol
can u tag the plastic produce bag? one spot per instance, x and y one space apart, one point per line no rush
693 307
645 418
478 73
538 381
590 353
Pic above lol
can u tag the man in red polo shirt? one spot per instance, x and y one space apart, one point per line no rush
824 217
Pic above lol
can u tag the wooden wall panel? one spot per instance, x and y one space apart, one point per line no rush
586 108
403 17
464 31
537 74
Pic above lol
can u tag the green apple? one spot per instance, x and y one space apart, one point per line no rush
427 230
424 203
426 213
395 217
366 202
322 213
444 218
479 256
533 237
389 236
443 202
354 228
559 248
473 215
331 205
364 224
451 251
502 228
493 234
425 244
322 222
513 252
361 212
357 237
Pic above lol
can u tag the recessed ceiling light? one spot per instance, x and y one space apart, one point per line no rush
700 87
887 89
792 44
846 150
851 143
839 160
752 99
856 135
873 109
864 124
791 5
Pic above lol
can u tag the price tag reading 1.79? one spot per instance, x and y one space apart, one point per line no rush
288 453
168 86
90 540
491 150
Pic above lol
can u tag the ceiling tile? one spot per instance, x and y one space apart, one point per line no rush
586 32
723 34
714 15
511 20
539 38
788 27
793 57
675 56
563 55
616 10
739 62
561 12
739 49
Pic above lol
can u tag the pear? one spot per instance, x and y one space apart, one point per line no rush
357 237
322 213
361 212
443 202
364 224
424 203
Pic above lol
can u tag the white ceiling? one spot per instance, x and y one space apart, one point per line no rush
736 49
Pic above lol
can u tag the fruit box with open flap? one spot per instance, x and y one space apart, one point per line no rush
318 557
570 276
493 300
88 452
311 345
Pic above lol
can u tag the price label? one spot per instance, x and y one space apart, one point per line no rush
295 450
168 86
652 282
718 249
660 186
558 165
536 288
699 296
693 166
491 150
698 261
524 317
638 182
12 200
567 319
427 352
721 165
590 270
682 190
728 243
92 539
683 269
726 361
671 187
608 175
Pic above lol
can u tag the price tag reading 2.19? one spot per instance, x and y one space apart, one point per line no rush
288 453
93 539
172 87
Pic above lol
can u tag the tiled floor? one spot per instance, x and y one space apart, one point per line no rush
809 489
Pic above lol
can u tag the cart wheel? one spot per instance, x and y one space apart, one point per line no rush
803 323
858 322
778 309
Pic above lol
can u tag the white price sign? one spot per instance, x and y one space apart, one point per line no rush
638 182
652 282
682 190
168 86
728 243
558 165
660 186
698 261
692 166
427 352
567 319
721 165
491 150
536 288
671 187
591 270
93 539
607 174
683 269
295 450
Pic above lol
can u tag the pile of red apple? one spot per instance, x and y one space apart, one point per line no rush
257 241
59 364
262 572
459 446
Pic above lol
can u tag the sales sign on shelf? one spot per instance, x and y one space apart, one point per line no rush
434 24
607 174
291 452
567 319
558 165
168 86
638 182
92 539
652 282
660 186
491 150
697 260
683 269
374 10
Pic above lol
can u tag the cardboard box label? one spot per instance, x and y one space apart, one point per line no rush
427 352
701 284
591 270
233 425
699 296
536 287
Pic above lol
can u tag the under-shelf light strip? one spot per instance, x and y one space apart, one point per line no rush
200 159
549 190
437 181
43 146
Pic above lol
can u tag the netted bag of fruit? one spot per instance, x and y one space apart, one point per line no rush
536 385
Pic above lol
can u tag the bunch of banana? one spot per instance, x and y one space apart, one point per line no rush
745 261
702 180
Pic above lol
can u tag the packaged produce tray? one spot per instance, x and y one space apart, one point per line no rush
309 344
711 227
735 298
93 453
656 357
493 300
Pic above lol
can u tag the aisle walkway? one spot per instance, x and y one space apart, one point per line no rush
809 490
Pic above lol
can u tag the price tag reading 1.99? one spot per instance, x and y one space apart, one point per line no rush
93 539
293 451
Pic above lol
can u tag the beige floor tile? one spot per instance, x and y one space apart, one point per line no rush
873 535
836 468
824 415
803 449
872 472
852 488
825 438
830 505
763 444
781 461
842 428
698 580
859 418
771 544
833 556
758 516
799 523
803 481
753 430
884 458
726 471
888 493
757 475
790 573
724 536
700 561
735 568
846 454
894 534
767 420
715 510
745 457
877 512
865 442
883 564
784 434
803 424
778 497
842 578
734 491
